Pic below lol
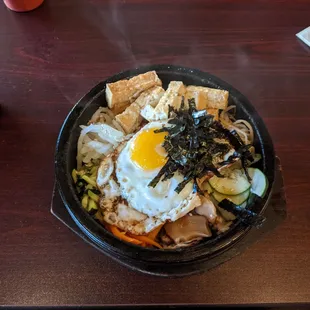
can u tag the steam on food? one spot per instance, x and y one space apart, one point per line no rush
167 168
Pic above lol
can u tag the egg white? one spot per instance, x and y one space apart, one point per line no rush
162 202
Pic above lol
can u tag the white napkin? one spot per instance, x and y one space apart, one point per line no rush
304 36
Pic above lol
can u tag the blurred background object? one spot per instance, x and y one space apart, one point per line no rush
304 36
22 5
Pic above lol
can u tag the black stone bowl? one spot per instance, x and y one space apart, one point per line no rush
183 261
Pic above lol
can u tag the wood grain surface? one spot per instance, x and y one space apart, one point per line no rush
50 57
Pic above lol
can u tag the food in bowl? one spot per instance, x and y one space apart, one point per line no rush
167 168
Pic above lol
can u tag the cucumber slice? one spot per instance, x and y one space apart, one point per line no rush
243 205
259 182
236 199
235 184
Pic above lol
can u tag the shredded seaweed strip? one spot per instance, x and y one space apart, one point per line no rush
246 157
254 202
247 216
194 138
242 151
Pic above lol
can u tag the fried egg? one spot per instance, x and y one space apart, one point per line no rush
136 166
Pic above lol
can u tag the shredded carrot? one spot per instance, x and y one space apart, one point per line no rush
153 234
147 240
122 235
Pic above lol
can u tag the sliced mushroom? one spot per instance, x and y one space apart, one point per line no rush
221 225
104 172
221 222
165 239
181 245
188 228
207 208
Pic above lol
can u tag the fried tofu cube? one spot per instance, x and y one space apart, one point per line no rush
206 97
171 97
150 97
120 94
214 112
131 119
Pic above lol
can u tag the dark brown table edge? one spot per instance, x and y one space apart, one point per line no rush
268 306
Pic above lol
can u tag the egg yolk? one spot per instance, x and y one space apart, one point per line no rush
147 151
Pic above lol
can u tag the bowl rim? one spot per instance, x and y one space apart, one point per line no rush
106 240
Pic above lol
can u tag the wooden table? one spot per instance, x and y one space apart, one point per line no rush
50 57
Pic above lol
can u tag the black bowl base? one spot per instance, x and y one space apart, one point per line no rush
275 214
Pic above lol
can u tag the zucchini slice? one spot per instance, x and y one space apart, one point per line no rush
85 201
92 205
89 180
235 184
74 176
93 196
244 205
259 182
236 199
